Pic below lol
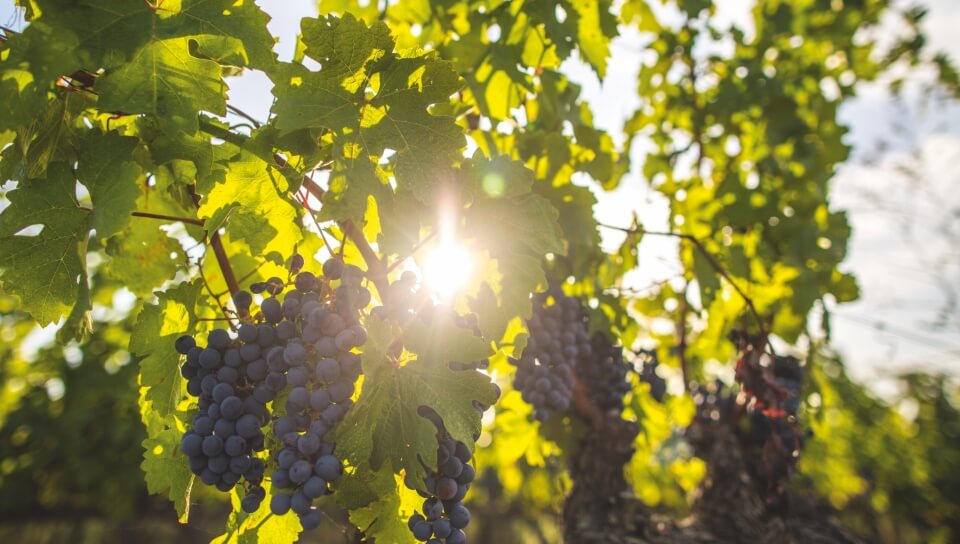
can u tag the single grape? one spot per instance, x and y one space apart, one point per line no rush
218 339
300 472
295 354
210 358
275 285
212 445
315 487
191 444
442 528
222 391
308 444
184 344
280 504
333 268
242 300
422 531
219 464
235 445
224 428
432 508
248 426
296 263
251 503
305 281
272 310
329 468
311 520
300 503
231 408
446 488
459 516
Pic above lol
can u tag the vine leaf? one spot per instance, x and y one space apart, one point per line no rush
161 390
260 527
230 31
165 80
153 336
111 177
165 472
143 255
254 199
44 270
384 425
518 233
707 277
373 101
379 503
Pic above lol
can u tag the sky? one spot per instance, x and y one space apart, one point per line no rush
899 189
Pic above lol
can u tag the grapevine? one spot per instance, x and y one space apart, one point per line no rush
452 171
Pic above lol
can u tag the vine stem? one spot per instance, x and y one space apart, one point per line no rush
221 254
217 244
714 263
682 342
162 217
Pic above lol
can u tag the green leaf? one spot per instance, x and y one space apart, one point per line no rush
518 233
596 25
374 101
345 46
527 224
379 503
260 527
707 278
255 198
44 270
108 31
166 471
112 179
166 81
140 256
153 336
230 31
443 342
384 426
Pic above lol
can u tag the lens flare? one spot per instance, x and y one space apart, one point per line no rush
446 269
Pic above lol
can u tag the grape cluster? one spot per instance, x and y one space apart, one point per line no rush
648 374
226 430
319 367
300 348
444 515
558 340
779 421
604 374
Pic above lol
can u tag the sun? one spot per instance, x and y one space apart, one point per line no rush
446 269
